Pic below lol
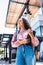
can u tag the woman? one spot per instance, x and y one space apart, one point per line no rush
25 43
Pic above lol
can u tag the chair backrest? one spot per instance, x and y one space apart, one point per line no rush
6 39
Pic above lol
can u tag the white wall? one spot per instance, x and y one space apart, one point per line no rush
7 30
34 20
3 12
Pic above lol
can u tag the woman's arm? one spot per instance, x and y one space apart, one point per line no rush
14 40
34 39
20 42
16 43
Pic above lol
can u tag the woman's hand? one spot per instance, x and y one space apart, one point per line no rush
24 41
30 32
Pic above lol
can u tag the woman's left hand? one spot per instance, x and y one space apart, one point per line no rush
30 32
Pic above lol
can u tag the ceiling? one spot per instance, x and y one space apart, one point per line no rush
15 10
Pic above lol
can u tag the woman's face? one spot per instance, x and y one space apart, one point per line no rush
21 25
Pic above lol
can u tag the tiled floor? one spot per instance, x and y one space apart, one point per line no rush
13 63
6 63
39 63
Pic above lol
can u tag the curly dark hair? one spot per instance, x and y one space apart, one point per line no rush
26 24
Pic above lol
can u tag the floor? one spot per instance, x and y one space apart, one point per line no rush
13 63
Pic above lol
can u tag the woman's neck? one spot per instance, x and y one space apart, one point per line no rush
22 29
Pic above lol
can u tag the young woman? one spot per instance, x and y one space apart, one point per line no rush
25 43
